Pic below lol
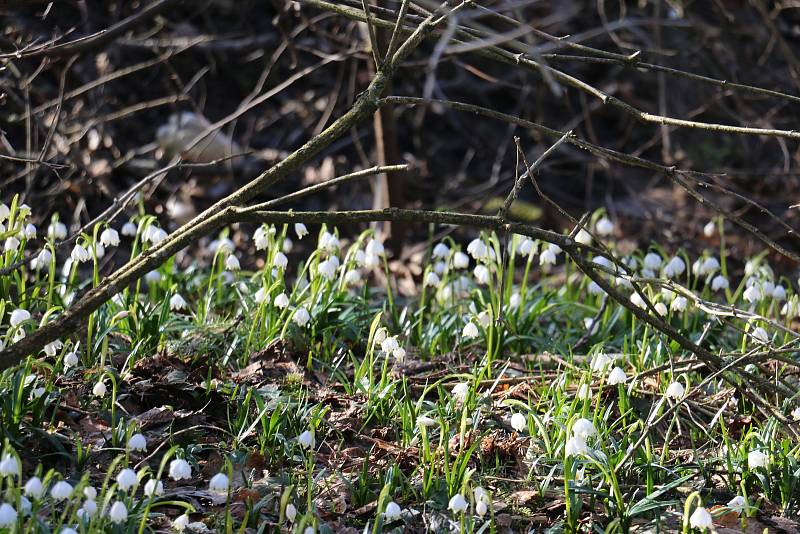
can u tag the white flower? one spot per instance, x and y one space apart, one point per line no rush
57 230
440 251
70 360
52 348
301 317
329 242
327 269
232 263
181 522
470 331
4 212
583 237
261 238
425 421
392 511
756 459
281 301
583 428
481 273
700 518
460 391
99 250
752 294
576 446
679 304
389 343
710 266
177 302
594 289
126 479
29 232
600 361
458 504
584 392
306 440
779 293
547 257
8 516
431 280
19 316
137 442
129 229
153 488
61 490
652 261
153 277
661 308
280 260
674 267
218 482
301 230
89 507
478 249
637 300
154 235
460 260
617 376
374 248
709 229
42 260
738 504
604 226
180 469
109 237
291 512
68 530
352 277
519 422
760 335
527 247
675 390
90 493
34 488
719 282
99 389
11 244
118 513
9 465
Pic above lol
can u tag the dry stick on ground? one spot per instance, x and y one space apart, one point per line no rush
218 215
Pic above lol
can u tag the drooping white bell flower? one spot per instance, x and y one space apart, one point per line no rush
109 237
137 442
617 376
61 490
701 518
301 317
300 230
177 302
306 439
519 422
583 428
118 513
180 469
604 227
126 479
470 331
756 459
392 511
219 482
458 504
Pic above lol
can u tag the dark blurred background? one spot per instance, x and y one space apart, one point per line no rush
80 125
